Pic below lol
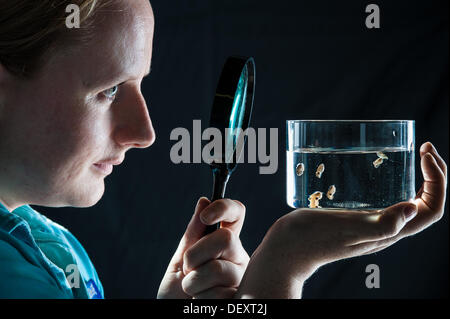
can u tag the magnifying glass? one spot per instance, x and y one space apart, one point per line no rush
231 112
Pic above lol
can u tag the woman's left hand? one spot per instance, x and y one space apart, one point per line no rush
305 239
430 198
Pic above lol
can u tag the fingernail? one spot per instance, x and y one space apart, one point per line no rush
409 212
427 147
423 147
210 217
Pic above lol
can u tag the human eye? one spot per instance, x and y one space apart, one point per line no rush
111 92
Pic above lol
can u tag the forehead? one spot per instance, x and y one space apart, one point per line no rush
121 46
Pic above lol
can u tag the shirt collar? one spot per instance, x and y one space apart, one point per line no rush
16 225
8 220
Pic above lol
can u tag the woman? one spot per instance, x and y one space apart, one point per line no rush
76 93
71 107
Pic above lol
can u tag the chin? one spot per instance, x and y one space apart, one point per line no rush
86 203
87 197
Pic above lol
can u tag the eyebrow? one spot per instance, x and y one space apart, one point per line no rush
130 76
92 85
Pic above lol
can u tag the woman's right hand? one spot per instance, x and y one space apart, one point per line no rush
305 239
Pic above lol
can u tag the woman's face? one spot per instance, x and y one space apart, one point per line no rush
62 132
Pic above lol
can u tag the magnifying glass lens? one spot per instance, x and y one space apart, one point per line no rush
237 113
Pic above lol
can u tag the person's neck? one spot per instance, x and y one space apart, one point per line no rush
10 207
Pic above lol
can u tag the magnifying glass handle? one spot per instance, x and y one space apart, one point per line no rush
220 181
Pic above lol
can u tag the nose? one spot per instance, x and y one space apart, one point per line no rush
134 127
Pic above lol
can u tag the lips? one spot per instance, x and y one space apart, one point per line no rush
104 168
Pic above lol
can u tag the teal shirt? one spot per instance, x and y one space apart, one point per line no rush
40 259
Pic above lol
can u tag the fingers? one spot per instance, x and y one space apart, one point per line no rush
214 265
211 265
221 244
230 212
196 228
385 224
429 148
430 203
194 232
391 224
434 170
430 198
435 183
212 277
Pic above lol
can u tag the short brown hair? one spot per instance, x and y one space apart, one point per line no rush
30 29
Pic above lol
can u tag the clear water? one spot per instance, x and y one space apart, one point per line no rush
359 185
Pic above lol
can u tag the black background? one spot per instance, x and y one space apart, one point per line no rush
314 60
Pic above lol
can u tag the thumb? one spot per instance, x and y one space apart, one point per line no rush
195 229
394 218
193 233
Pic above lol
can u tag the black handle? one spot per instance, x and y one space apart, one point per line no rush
220 181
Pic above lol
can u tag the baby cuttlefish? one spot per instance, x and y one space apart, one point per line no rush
314 199
320 170
300 169
379 160
382 155
331 191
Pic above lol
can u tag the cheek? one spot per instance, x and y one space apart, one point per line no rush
84 142
74 137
